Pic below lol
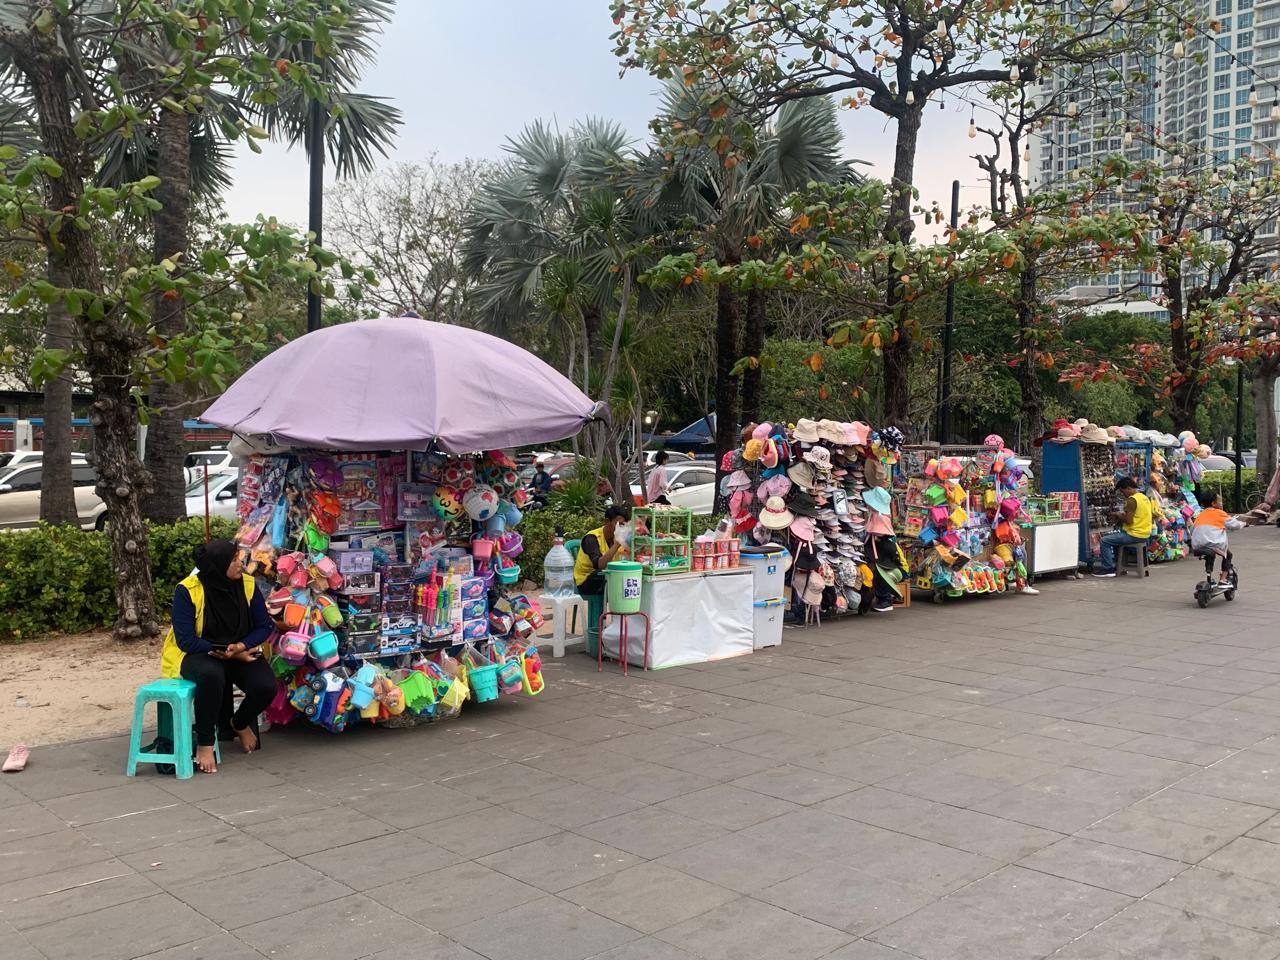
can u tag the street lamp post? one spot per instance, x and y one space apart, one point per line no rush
944 425
315 204
1239 435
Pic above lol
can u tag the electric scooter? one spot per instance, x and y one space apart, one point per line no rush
1210 586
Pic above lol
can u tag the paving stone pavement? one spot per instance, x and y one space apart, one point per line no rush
1091 774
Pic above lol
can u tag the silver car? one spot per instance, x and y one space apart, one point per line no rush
20 496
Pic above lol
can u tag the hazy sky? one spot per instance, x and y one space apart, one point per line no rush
469 75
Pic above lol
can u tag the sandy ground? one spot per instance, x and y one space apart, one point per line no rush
70 688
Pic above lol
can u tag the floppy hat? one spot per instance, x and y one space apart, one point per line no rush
802 502
880 524
802 527
875 473
805 430
830 431
775 515
761 431
802 475
857 434
892 577
820 457
753 450
738 480
739 502
770 458
775 486
743 522
1092 433
877 498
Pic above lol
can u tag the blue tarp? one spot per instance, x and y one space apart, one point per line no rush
698 436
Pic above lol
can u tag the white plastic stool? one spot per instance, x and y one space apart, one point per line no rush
561 607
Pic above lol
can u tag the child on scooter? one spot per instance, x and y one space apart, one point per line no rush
1210 533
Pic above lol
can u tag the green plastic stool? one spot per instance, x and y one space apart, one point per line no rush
172 698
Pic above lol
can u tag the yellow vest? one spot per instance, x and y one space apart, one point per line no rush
1140 525
582 566
171 654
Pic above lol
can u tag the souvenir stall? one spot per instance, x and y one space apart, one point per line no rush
390 547
821 491
1078 465
962 521
1176 471
697 598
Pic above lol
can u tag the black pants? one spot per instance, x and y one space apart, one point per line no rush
212 678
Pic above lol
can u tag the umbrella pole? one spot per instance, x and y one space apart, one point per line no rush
206 503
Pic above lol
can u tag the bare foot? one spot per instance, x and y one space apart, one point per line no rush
204 760
248 739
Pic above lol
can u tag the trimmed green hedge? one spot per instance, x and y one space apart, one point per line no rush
1225 481
58 579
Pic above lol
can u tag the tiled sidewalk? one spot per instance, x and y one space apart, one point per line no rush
1092 774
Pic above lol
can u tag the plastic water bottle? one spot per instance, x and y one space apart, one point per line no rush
557 570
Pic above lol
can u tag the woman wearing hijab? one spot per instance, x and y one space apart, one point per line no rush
219 621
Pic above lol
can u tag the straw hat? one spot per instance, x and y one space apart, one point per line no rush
775 515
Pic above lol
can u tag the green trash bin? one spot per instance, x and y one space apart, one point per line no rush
624 577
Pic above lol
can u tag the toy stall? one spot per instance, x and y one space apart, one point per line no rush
962 519
1080 466
388 549
693 599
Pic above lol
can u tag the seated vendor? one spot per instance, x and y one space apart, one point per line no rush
599 548
220 621
1134 521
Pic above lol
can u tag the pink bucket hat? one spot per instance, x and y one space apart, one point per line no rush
776 486
762 432
857 434
802 527
738 480
739 502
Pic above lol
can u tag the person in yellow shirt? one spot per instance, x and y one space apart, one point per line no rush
1135 526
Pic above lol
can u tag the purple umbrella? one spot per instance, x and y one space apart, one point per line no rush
398 383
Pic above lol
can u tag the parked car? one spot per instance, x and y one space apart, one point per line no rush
20 496
692 485
224 491
198 460
27 457
1218 462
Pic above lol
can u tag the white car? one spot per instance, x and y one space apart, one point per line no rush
18 458
224 491
692 485
20 496
1216 462
215 460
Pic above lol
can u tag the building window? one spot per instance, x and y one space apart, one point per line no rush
1222 63
1222 7
1246 4
1221 101
1244 39
1244 21
1245 59
1222 119
1242 97
1222 81
1243 135
1244 115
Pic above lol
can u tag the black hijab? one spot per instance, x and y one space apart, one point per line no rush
226 611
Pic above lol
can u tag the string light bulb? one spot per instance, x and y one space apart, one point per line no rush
1253 95
1014 73
911 97
1026 153
835 62
1177 50
941 30
1275 109
1117 6
973 128
1073 108
753 12
1128 138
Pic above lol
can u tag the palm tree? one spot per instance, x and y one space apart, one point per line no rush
728 206
191 156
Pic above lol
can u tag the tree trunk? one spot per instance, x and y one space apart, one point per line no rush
166 446
753 346
1028 375
1262 386
727 322
109 347
57 496
898 228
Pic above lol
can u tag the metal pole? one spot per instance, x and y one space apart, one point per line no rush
947 329
1239 435
315 151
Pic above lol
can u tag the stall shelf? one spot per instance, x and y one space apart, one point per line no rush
1086 471
664 550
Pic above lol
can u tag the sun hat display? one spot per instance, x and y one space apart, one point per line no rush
775 515
1092 433
739 502
753 450
739 480
857 434
879 524
761 431
877 498
892 577
830 431
805 430
770 457
803 528
802 475
777 486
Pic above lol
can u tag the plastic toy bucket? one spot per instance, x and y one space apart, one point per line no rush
624 586
509 575
484 682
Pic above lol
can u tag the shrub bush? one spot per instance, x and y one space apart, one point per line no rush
59 579
1224 481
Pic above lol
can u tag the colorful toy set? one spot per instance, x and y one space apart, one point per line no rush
386 568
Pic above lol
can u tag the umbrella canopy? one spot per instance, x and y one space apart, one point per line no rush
400 383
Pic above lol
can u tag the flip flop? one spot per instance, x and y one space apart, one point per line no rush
17 759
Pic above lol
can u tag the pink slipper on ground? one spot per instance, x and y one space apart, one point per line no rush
17 759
